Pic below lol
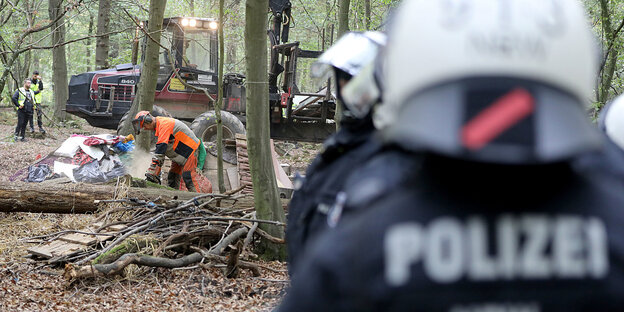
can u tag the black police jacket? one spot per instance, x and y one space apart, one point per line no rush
462 236
342 154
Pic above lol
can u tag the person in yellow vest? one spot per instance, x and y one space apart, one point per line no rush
37 86
24 101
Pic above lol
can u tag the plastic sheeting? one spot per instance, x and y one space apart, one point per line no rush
38 173
91 173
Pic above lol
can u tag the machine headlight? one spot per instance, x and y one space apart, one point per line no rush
185 22
213 25
193 23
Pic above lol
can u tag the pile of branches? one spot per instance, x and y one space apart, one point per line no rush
171 235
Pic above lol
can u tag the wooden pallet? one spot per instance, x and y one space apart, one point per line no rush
244 173
72 243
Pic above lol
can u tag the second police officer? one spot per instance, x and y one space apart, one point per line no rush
350 147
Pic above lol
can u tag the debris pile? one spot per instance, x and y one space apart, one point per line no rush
159 234
80 158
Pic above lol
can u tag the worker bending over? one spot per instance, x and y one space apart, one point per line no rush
176 141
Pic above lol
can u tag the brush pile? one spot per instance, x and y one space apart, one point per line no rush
170 234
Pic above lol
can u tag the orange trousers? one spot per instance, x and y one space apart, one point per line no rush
186 173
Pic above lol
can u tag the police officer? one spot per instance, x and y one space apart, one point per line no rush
37 87
24 101
176 141
341 153
499 217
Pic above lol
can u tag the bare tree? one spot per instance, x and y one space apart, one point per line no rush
59 67
88 43
144 100
219 103
266 197
103 41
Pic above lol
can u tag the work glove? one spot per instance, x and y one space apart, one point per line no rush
21 106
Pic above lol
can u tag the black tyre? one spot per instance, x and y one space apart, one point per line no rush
156 111
205 126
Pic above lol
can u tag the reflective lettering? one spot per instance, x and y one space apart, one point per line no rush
507 231
598 263
444 256
568 247
526 247
403 247
532 260
481 265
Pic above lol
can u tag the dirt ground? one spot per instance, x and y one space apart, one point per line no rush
26 285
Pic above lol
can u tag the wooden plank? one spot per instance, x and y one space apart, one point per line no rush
111 229
56 248
82 239
232 174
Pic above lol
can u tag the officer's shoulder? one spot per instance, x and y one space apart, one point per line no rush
381 174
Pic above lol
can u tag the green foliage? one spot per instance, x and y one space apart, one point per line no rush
311 19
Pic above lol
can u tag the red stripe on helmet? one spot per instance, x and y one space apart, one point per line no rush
498 117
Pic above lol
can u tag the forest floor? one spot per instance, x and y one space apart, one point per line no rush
26 285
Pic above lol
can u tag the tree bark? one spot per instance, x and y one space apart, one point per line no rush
144 100
220 180
103 43
59 67
611 57
266 196
367 14
343 27
71 198
88 44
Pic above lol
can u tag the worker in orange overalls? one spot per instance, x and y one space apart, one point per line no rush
176 141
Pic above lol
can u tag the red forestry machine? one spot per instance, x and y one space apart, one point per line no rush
104 97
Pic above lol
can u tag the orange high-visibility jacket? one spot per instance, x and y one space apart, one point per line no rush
175 140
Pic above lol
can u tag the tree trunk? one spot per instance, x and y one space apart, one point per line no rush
54 197
266 196
192 7
231 56
88 44
367 14
611 57
343 27
144 100
59 66
343 16
103 43
220 180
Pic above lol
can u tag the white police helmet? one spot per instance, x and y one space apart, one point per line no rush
350 53
490 80
611 120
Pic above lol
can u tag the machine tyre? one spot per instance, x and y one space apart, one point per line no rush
205 126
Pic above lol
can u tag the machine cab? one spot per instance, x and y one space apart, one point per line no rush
191 47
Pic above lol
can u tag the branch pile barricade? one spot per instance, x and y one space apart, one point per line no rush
170 234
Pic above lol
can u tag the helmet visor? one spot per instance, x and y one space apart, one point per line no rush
349 54
136 125
362 92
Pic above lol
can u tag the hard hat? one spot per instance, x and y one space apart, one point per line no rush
350 53
140 119
489 80
611 120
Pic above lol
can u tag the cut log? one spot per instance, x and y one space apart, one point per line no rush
71 198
